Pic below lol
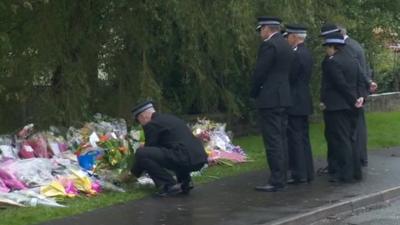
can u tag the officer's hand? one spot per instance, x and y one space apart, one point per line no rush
359 103
322 106
126 177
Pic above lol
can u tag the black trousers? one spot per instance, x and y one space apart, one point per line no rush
361 137
343 156
273 123
157 161
301 162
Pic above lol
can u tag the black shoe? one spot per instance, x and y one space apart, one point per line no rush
296 181
169 190
334 179
364 163
358 177
187 187
269 188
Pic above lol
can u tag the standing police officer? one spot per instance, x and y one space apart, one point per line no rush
332 167
340 101
271 91
169 144
368 86
300 154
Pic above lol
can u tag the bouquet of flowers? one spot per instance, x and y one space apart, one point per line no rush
116 152
218 143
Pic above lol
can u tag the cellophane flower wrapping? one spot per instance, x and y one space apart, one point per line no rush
47 161
217 143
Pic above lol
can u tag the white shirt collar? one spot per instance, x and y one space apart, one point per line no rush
295 47
270 36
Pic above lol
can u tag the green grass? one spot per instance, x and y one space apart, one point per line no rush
383 130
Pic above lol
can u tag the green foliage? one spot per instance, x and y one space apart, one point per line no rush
61 61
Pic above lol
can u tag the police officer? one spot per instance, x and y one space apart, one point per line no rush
169 144
340 100
271 91
300 155
366 85
332 169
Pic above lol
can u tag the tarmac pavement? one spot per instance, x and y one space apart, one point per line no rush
388 214
234 201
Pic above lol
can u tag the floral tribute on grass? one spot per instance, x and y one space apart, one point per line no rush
218 143
38 168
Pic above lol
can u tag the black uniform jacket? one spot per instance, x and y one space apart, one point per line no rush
299 78
355 49
340 79
270 81
170 132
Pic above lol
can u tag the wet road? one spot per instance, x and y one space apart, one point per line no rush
389 215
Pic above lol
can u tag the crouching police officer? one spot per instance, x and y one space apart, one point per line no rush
169 145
